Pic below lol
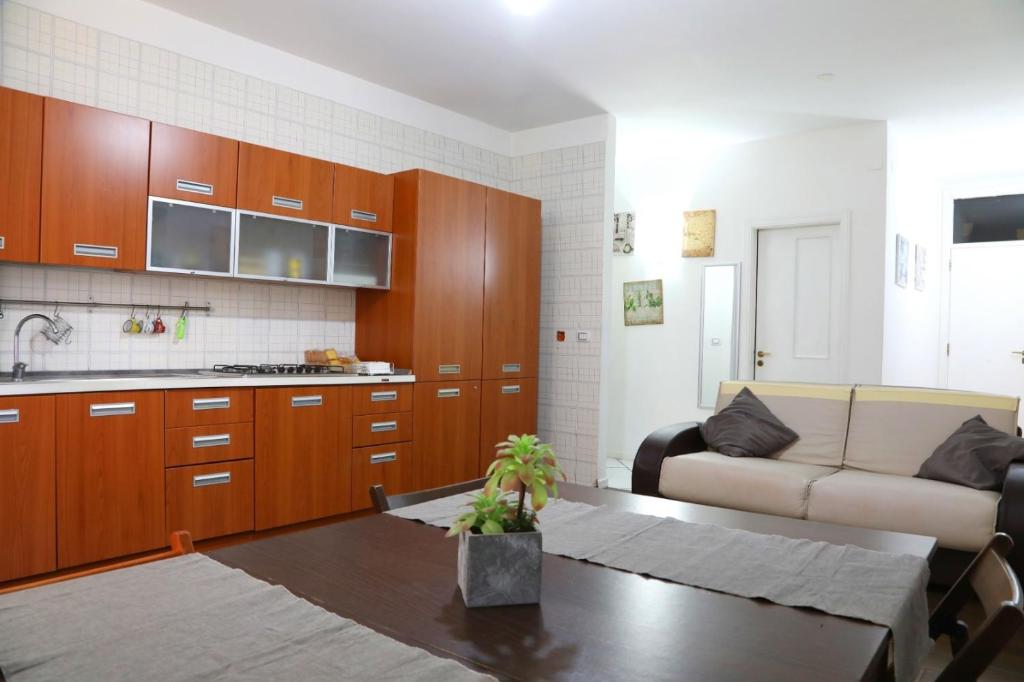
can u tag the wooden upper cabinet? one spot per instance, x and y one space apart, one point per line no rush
363 198
192 166
292 185
511 310
95 177
21 162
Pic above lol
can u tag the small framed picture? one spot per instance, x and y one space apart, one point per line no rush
920 266
902 256
642 303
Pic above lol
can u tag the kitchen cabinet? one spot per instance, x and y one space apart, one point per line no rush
197 407
446 432
278 249
362 198
95 176
375 399
28 527
390 465
507 406
282 183
362 258
21 162
303 453
205 444
110 475
192 166
190 238
511 309
374 429
210 500
431 319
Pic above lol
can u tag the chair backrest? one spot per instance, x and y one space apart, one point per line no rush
992 580
383 502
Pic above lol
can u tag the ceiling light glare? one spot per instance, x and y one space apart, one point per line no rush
525 8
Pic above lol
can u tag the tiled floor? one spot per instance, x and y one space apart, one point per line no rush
620 473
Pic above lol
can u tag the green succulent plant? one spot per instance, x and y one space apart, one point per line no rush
523 464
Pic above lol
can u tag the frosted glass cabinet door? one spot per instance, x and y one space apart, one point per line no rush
278 248
186 237
362 258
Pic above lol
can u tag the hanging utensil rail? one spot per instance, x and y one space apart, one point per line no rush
187 307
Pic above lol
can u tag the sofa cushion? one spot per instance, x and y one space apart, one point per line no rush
975 455
748 483
746 428
818 412
961 518
894 430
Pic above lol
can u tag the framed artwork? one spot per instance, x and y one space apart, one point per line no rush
920 266
698 234
622 236
902 256
642 302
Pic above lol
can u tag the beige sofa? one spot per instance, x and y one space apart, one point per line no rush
854 463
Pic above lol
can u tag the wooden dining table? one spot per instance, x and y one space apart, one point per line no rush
593 623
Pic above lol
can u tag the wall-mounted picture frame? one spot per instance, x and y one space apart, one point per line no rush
902 256
622 233
643 302
699 234
920 266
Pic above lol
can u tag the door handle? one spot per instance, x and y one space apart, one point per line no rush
211 479
381 427
111 409
383 396
199 404
763 354
307 401
211 441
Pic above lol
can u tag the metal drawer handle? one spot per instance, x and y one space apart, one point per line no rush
95 251
449 369
1 242
511 367
200 404
382 396
286 202
211 479
307 400
510 389
449 393
383 457
211 441
380 427
195 187
111 409
10 416
367 216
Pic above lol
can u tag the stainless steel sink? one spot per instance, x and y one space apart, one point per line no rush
40 377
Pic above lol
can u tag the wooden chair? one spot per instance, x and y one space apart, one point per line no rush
991 579
383 502
180 541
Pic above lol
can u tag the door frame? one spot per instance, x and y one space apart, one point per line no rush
748 321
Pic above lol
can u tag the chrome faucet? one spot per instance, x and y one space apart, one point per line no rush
18 371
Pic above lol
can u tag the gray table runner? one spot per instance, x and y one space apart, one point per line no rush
192 618
886 589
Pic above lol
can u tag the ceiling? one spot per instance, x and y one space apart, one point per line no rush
735 68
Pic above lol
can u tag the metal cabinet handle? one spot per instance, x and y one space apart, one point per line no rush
194 187
211 441
381 427
383 396
449 392
95 251
286 202
10 416
211 479
366 216
382 457
510 389
200 404
511 367
1 242
111 409
449 369
307 400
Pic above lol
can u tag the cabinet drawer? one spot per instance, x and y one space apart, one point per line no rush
208 406
211 443
374 429
211 499
381 398
388 465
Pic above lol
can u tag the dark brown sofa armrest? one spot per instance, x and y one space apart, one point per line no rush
1010 517
678 439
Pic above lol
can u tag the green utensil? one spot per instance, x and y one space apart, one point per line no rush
180 326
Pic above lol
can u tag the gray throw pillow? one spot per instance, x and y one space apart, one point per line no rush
746 428
976 455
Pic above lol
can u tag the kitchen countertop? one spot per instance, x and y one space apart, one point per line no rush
44 383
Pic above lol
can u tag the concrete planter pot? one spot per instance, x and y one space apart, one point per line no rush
500 570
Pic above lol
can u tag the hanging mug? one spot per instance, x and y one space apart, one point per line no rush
158 325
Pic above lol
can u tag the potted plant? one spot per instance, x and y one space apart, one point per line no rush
500 547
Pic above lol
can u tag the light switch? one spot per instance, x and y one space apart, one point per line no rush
715 341
583 336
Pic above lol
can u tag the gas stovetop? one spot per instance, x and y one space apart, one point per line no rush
269 369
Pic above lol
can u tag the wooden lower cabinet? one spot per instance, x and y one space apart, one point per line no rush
446 429
389 465
506 407
28 536
205 444
210 500
303 451
374 429
110 475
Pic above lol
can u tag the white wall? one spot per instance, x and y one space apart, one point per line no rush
832 172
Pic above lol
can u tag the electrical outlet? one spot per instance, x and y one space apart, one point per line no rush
583 336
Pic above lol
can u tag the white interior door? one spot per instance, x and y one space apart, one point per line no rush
797 335
986 318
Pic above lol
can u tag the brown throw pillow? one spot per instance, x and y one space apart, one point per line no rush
746 428
976 455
